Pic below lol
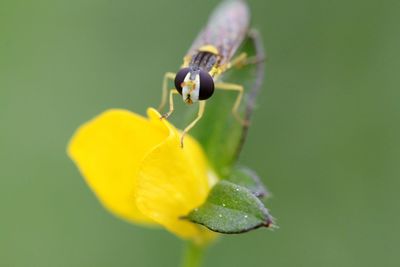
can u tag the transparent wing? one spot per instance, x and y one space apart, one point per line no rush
226 29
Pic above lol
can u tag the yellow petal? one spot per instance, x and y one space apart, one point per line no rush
173 181
108 151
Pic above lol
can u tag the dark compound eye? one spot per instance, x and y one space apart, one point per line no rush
179 78
206 85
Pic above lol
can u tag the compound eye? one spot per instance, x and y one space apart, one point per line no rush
206 85
180 78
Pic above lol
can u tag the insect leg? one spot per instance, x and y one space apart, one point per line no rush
202 105
238 88
239 61
255 37
243 59
167 76
171 103
259 57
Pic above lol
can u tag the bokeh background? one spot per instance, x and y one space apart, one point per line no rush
325 136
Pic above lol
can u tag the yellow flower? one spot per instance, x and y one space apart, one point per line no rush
139 172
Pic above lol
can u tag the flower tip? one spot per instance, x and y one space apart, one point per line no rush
152 113
156 119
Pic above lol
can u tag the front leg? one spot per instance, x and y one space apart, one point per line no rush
167 76
172 92
202 105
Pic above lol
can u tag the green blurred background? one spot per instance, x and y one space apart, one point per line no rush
325 136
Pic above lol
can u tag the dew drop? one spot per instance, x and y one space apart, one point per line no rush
223 205
220 215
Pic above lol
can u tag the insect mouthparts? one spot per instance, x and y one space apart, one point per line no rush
188 100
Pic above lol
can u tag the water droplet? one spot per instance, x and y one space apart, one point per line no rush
246 216
223 205
237 189
220 215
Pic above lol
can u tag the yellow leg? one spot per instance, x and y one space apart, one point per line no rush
242 60
167 76
238 88
172 92
253 60
202 105
238 61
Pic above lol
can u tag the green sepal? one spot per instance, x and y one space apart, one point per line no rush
248 178
231 209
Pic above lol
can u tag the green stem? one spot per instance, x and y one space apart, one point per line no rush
193 255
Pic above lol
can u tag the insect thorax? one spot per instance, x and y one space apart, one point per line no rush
202 61
206 58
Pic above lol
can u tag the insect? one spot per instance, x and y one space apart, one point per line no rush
211 55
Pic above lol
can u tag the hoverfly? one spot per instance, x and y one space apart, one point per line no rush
211 55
